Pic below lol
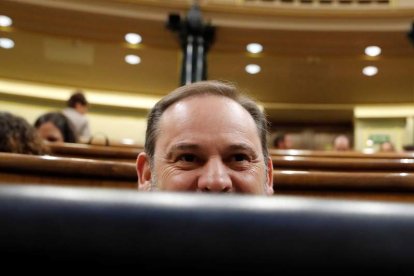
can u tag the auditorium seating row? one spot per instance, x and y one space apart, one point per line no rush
357 178
129 154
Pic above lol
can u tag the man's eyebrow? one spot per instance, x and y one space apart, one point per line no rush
182 147
242 147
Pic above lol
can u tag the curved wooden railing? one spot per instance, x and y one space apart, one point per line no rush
21 168
343 164
114 153
343 180
331 178
129 154
341 154
392 186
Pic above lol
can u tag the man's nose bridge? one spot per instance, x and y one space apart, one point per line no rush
215 168
215 176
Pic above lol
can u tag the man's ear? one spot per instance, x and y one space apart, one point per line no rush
144 172
269 186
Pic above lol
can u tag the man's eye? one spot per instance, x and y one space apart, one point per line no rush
240 157
187 158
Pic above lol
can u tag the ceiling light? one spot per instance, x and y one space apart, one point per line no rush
132 59
133 38
5 21
6 43
370 71
253 68
254 48
372 51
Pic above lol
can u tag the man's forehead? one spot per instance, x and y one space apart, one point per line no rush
203 102
208 114
207 110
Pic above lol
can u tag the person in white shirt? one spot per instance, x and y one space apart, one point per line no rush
76 113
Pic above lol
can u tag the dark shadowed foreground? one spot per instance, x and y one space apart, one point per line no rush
46 226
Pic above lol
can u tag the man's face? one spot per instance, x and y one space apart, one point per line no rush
208 143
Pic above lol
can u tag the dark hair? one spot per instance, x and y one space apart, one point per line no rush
61 122
18 136
204 88
77 97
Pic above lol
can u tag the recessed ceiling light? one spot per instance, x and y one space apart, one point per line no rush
6 43
253 68
132 59
254 48
370 71
372 51
133 38
5 21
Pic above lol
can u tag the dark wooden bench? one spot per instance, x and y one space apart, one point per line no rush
111 153
398 186
50 170
21 168
341 154
350 177
342 164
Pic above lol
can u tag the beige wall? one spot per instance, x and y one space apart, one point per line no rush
393 120
395 128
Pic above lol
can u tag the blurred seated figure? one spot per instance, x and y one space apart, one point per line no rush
76 110
55 127
341 143
282 141
387 147
18 136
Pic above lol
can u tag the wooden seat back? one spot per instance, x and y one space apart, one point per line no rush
341 154
111 153
342 164
397 186
21 168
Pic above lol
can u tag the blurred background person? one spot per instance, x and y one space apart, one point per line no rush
77 107
283 141
341 143
55 127
387 147
18 136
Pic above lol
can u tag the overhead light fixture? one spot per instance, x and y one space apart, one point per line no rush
372 51
253 69
370 71
254 48
133 38
132 59
5 21
6 43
